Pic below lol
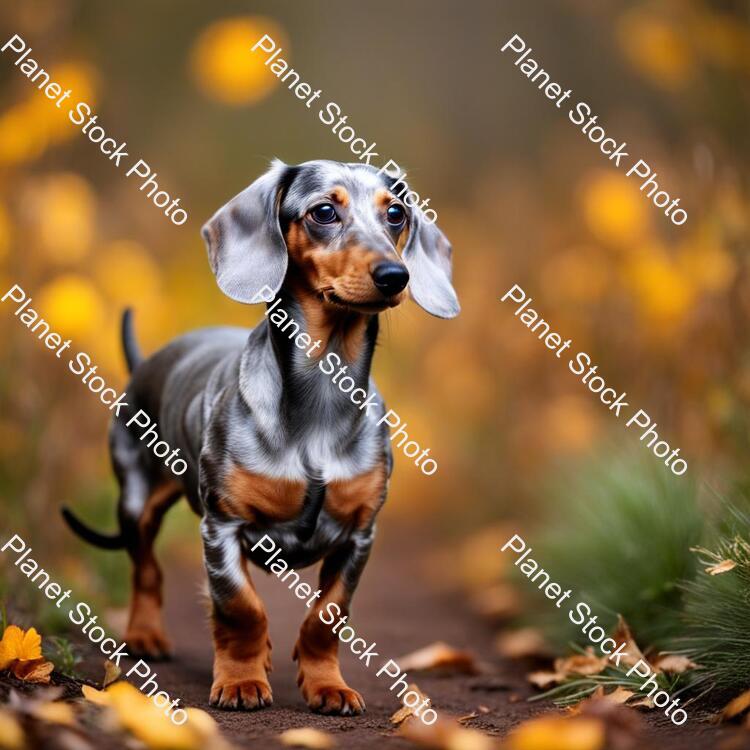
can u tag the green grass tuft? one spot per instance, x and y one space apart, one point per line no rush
717 609
621 539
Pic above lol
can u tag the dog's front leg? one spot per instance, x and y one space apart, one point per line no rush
242 649
316 652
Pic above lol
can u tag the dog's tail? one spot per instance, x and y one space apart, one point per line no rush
133 355
105 541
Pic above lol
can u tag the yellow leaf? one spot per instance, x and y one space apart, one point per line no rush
558 733
100 697
307 737
55 713
723 567
445 734
11 734
440 656
736 706
406 711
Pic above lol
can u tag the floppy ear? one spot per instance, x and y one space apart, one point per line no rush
246 249
427 255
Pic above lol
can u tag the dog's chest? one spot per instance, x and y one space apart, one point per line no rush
264 500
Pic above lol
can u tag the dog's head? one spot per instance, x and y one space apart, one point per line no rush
337 229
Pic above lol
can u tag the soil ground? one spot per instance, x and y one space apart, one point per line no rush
401 612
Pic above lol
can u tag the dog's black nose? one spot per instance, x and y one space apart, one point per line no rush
390 277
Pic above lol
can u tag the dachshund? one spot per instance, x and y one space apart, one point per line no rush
273 447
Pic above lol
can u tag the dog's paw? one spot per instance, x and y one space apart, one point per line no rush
338 700
243 695
148 642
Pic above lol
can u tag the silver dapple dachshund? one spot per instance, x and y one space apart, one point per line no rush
272 446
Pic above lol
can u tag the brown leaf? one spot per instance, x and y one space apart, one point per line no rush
555 732
517 644
632 653
406 711
674 663
583 664
723 567
439 656
445 734
621 723
111 673
642 702
36 671
498 602
543 680
736 706
307 737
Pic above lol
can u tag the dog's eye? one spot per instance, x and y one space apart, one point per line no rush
395 214
325 213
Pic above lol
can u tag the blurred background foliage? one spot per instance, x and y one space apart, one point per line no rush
521 193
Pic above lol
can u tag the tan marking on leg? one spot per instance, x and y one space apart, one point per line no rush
316 651
242 650
145 633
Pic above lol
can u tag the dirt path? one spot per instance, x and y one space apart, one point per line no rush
399 611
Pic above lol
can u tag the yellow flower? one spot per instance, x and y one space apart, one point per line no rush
72 306
18 645
64 208
664 292
655 47
224 66
613 208
126 273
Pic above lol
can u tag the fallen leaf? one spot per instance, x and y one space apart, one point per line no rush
445 734
583 664
500 601
736 706
11 734
37 671
111 673
406 711
723 567
517 644
618 696
17 645
55 713
631 653
137 713
642 702
558 733
543 680
95 696
674 663
439 656
307 737
621 723
467 718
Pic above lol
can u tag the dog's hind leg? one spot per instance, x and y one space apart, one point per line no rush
143 502
145 633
